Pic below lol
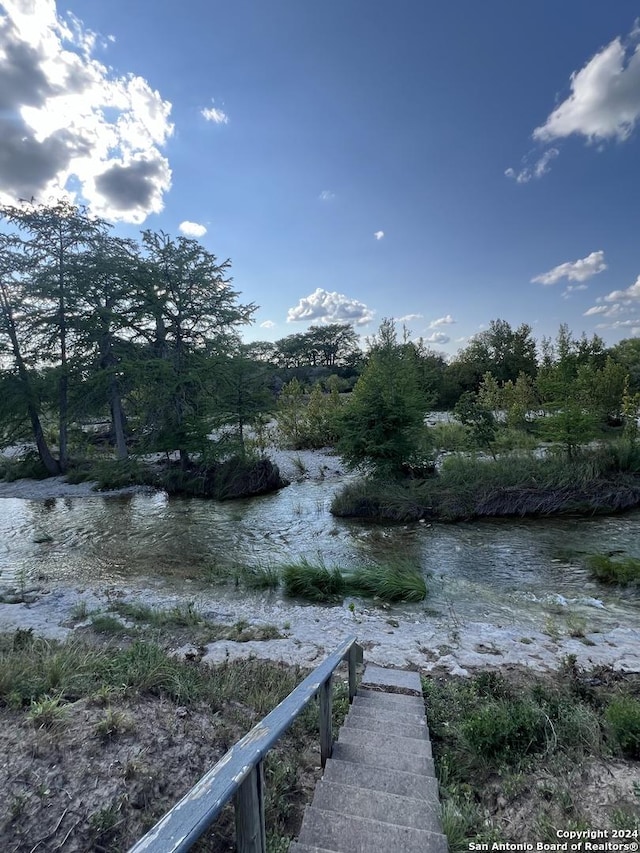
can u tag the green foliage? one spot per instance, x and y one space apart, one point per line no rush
29 466
505 731
623 571
623 719
381 426
478 419
313 581
311 423
397 581
400 580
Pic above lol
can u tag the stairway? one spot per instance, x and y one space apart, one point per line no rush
378 793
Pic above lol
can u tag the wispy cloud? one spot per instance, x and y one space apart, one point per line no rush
536 169
215 115
408 318
68 121
571 288
326 195
579 270
267 324
442 321
378 235
192 229
330 307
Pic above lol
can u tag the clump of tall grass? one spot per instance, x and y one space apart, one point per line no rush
615 571
313 581
397 581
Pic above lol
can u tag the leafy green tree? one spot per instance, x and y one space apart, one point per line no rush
243 394
382 425
501 351
193 317
56 236
627 353
334 344
478 419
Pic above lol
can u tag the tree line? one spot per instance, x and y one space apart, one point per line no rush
147 333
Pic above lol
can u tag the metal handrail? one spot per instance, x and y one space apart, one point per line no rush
239 772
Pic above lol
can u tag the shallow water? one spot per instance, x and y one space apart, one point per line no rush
498 571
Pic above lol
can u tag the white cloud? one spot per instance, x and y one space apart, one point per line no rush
325 307
378 235
438 338
408 318
631 294
605 97
579 270
192 229
326 195
66 120
268 324
215 115
536 170
442 321
595 309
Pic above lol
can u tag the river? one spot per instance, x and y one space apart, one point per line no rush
500 572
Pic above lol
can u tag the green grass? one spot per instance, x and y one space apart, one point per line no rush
313 581
516 484
525 738
397 581
617 570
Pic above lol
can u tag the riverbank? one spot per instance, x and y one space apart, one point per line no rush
595 481
304 633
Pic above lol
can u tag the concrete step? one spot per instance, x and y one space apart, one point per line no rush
296 847
385 727
393 680
368 708
403 811
401 783
393 700
351 834
383 758
408 746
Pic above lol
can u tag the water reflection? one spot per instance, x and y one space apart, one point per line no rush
500 570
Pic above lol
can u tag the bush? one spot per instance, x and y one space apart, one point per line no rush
608 570
28 467
505 730
623 720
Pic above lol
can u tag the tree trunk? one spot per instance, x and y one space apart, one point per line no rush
117 422
51 464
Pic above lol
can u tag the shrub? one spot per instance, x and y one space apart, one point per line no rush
399 581
608 570
623 720
505 730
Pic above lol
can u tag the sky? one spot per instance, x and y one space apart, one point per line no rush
444 164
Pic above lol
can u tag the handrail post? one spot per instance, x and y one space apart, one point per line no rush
251 836
353 659
326 736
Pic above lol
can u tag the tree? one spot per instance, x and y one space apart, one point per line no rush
57 234
335 343
243 395
478 419
193 320
382 425
502 351
18 385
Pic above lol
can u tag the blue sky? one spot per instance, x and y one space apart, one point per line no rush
450 163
